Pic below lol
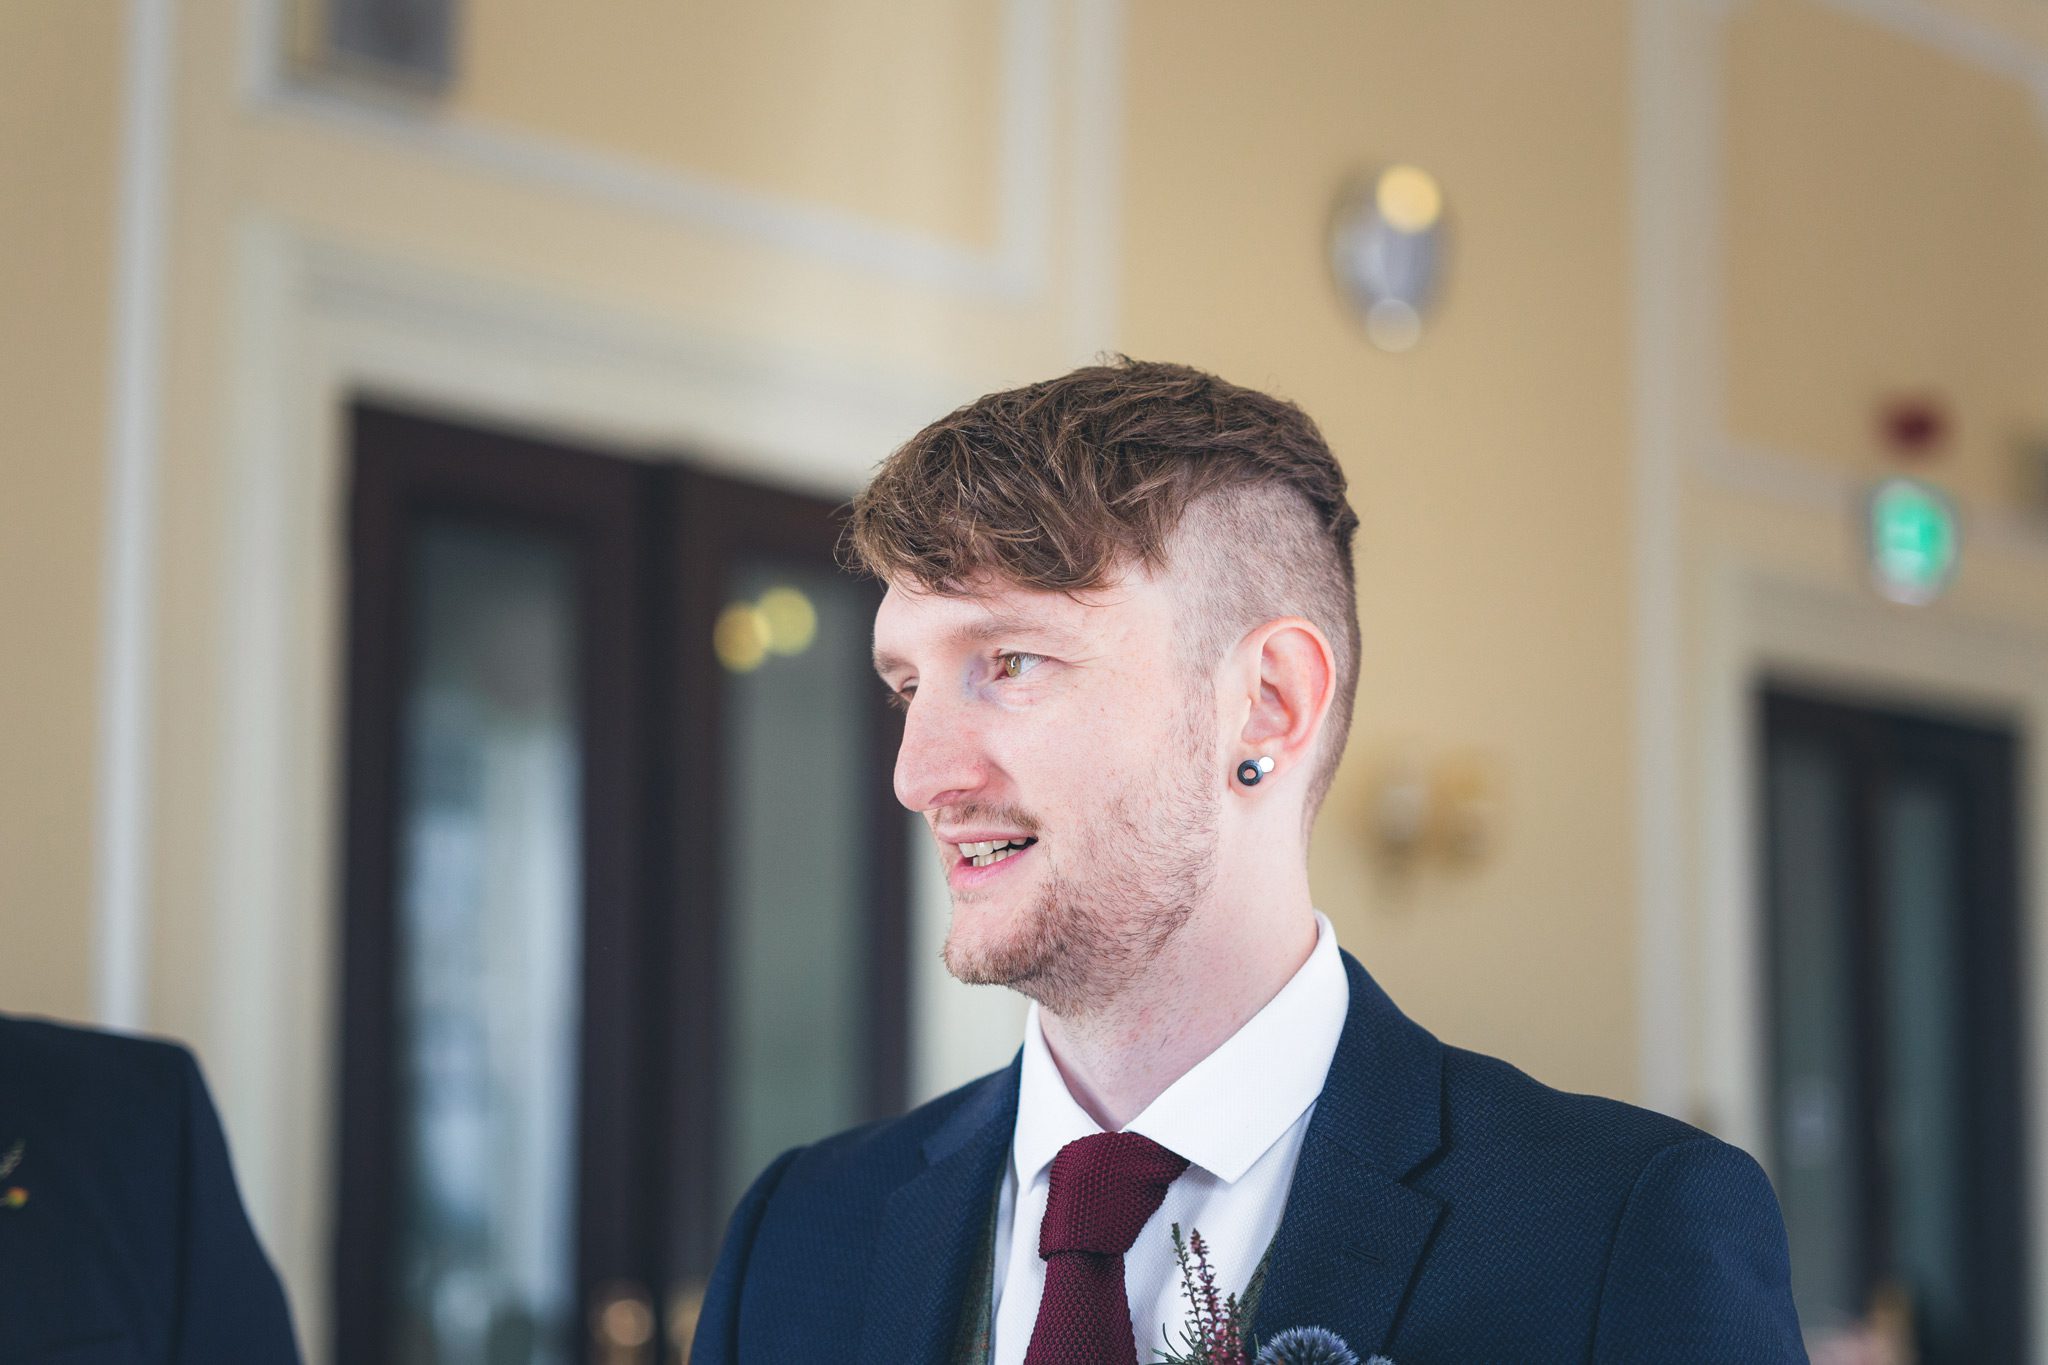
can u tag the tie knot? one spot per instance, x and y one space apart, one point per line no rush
1102 1191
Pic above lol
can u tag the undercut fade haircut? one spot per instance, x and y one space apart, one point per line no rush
1066 484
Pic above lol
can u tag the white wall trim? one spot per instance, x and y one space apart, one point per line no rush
1954 35
1675 285
1662 1050
1962 39
121 818
1017 268
1096 170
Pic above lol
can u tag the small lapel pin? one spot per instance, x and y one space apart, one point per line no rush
14 1196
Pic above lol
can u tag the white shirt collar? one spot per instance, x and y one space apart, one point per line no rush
1263 1077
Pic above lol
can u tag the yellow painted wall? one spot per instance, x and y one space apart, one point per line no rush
1489 466
1887 231
886 111
60 68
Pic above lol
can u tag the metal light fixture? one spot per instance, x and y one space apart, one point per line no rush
1386 251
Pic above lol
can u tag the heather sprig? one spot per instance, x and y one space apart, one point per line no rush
1217 1333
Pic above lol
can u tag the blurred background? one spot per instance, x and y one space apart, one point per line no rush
427 688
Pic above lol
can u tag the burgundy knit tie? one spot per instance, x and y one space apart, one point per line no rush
1103 1189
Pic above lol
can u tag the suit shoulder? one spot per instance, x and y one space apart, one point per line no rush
58 1046
1494 1107
894 1146
71 1068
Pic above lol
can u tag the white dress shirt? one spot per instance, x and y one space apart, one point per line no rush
1238 1116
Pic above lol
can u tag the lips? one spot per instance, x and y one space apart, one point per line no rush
988 852
962 874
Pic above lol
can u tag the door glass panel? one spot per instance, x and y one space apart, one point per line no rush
488 952
1924 1052
793 641
1816 1101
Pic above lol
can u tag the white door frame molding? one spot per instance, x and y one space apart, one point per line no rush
121 907
1760 623
319 323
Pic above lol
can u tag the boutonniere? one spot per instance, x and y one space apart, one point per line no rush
1217 1333
13 1196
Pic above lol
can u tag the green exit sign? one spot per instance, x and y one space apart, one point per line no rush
1913 540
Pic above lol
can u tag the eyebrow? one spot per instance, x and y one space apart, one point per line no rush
984 630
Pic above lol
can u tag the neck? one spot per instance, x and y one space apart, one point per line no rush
1227 961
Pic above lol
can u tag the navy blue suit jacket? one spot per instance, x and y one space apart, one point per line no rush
1445 1208
127 1243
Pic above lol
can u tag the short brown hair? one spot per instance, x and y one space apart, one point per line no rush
1064 484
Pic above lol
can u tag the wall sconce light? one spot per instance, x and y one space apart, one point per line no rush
1386 250
1443 812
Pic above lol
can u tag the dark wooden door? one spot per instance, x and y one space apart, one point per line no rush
1896 1022
585 987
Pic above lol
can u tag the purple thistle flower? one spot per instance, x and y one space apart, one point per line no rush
1307 1346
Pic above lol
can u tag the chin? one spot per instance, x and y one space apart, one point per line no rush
1000 950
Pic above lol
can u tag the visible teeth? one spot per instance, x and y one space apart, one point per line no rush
986 847
989 859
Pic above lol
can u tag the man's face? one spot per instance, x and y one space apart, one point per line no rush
1073 725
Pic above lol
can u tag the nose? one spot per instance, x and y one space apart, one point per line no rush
941 761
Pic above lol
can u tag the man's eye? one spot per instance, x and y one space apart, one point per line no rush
1012 665
900 700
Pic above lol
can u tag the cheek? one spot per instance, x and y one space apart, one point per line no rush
1064 770
1104 766
1069 756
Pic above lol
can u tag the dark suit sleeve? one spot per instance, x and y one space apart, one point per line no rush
1698 1271
718 1325
230 1306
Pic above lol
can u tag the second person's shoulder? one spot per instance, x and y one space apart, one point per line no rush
84 1076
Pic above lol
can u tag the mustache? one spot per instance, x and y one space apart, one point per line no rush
1008 817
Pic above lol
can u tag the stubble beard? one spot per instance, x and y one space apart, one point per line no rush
1115 891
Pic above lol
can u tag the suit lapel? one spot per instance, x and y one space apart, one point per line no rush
1353 1233
930 1238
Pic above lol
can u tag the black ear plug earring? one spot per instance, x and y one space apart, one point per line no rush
1252 769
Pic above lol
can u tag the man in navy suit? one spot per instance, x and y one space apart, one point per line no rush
122 1237
1122 623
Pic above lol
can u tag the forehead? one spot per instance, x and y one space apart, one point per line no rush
911 621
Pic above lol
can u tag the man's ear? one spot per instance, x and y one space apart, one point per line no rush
1294 673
